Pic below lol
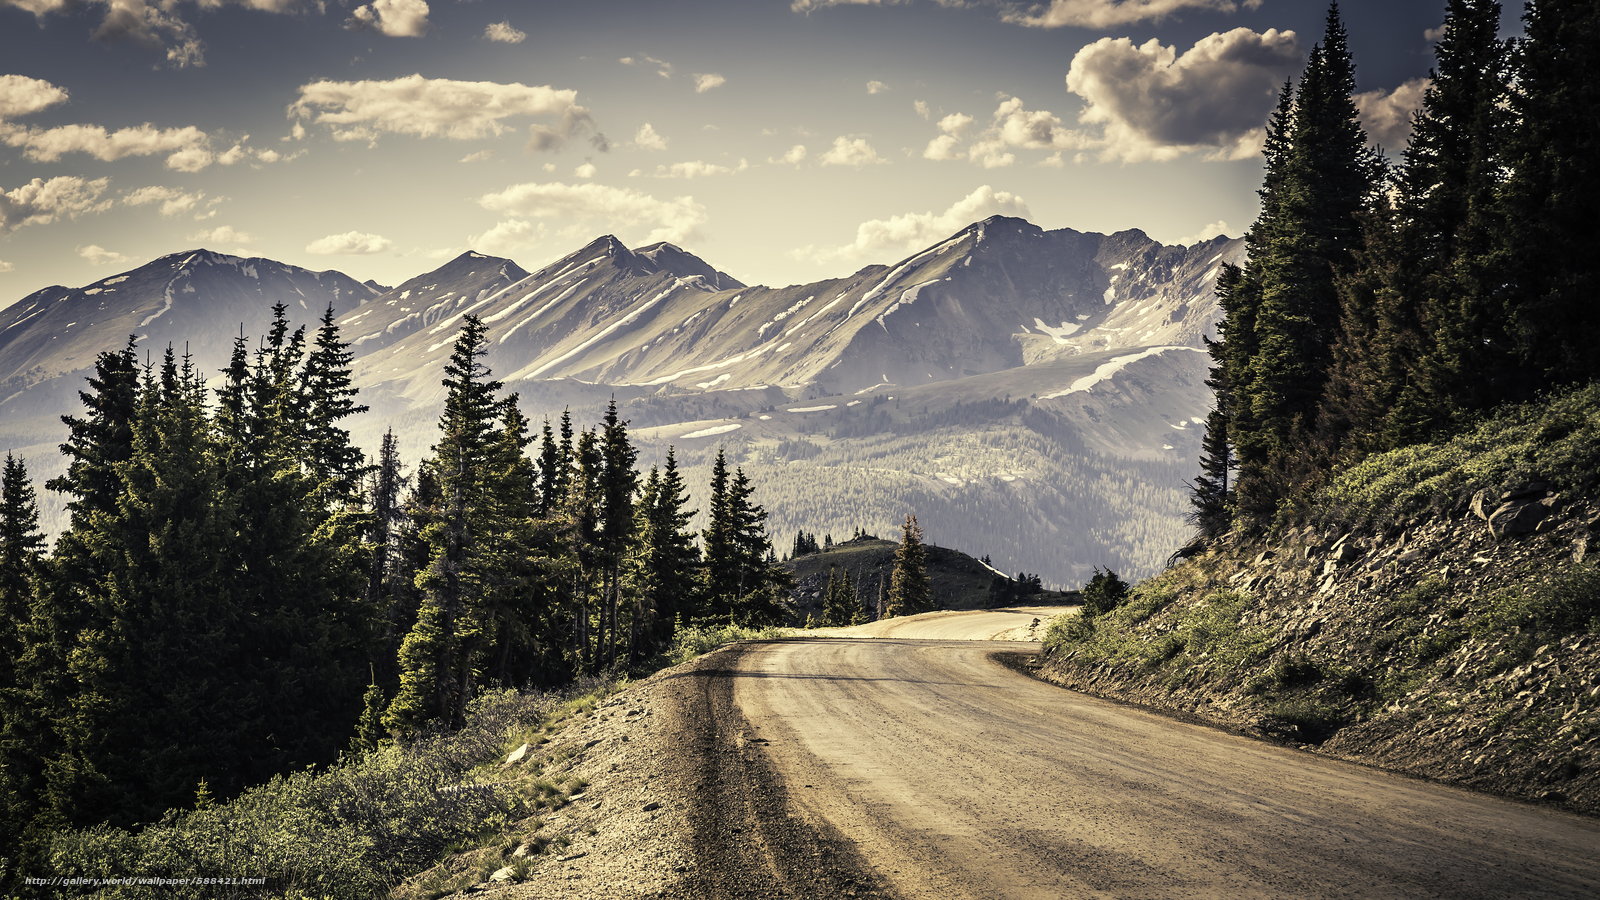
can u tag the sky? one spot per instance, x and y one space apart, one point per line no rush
783 141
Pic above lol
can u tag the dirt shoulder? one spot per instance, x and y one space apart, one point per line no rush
676 803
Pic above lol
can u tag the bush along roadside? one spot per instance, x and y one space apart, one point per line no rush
1454 637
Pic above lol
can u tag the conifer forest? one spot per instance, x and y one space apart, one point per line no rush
241 595
1390 305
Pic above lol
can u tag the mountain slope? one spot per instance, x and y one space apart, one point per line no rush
995 296
197 300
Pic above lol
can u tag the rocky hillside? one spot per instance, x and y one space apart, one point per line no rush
1437 614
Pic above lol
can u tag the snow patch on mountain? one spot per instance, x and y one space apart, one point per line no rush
1108 369
713 430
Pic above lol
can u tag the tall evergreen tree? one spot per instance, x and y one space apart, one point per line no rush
1320 177
1547 259
336 465
671 560
909 590
21 729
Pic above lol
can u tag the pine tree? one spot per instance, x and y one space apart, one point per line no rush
671 559
453 581
909 590
1546 258
1320 177
21 563
336 465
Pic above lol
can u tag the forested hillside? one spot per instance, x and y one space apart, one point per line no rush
1382 307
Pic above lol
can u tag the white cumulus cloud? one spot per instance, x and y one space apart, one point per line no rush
677 220
1112 13
503 33
922 109
854 153
392 18
1152 103
188 148
795 156
1206 233
351 243
587 170
876 87
1386 115
698 169
40 202
222 234
705 81
7 267
440 107
21 95
100 256
647 139
914 231
664 69
173 202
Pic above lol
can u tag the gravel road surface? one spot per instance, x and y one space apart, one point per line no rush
914 764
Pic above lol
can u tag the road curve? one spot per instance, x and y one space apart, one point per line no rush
944 774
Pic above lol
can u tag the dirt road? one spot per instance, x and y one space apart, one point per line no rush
899 765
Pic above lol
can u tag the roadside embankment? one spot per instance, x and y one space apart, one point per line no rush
1440 651
1438 615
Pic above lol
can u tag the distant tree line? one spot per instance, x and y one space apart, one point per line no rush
239 594
1387 306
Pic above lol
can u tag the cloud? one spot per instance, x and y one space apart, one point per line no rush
914 231
351 243
855 153
7 267
100 256
664 69
1386 115
647 139
440 107
1012 126
1151 103
21 95
392 18
188 147
152 24
795 156
1112 13
698 169
1206 233
705 81
173 201
677 220
508 237
480 156
876 87
1433 35
922 109
40 202
503 33
222 234
587 170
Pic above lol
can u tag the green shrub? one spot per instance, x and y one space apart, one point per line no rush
702 637
352 830
1565 602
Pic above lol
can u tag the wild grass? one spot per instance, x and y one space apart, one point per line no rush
1556 440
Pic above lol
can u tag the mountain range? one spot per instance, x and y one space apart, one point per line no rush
1029 394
